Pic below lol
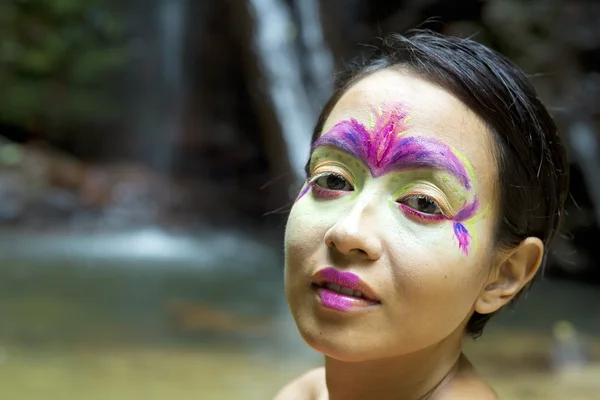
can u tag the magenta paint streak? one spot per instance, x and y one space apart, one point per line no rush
335 300
383 149
304 190
460 231
320 192
328 193
467 211
420 215
462 235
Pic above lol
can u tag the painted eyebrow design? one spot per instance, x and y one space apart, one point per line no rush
383 147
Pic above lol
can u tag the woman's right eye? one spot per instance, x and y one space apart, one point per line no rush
333 181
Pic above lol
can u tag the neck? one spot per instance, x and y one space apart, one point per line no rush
414 376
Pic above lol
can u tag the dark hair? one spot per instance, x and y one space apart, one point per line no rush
531 159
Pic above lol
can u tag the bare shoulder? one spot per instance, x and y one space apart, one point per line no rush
307 386
468 391
467 385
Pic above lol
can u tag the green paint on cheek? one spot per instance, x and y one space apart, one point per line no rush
392 204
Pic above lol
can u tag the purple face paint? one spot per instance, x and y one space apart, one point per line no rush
420 215
303 191
468 211
383 149
327 194
460 231
462 235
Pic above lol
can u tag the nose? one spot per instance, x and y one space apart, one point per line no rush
355 234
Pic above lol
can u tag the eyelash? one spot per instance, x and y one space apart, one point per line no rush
327 193
414 212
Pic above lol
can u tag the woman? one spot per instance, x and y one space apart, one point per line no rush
435 184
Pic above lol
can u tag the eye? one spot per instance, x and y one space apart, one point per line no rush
331 181
423 204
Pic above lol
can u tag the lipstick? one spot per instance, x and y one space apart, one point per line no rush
343 291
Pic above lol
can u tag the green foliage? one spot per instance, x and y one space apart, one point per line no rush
62 62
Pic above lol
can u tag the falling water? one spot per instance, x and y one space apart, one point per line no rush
275 46
171 28
582 138
158 73
295 102
319 62
171 25
585 146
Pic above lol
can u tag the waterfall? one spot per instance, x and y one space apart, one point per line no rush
171 15
276 49
319 62
295 101
171 28
585 148
157 73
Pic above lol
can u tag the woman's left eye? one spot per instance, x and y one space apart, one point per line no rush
423 204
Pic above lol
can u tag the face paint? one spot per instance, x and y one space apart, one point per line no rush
383 149
303 191
460 231
416 267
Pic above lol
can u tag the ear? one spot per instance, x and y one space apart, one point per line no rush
512 273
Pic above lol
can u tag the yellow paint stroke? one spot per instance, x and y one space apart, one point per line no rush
470 225
466 163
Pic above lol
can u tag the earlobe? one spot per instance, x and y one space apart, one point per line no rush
513 272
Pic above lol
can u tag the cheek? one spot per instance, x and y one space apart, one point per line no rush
438 300
304 231
430 266
309 220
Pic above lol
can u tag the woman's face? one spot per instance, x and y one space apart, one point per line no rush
390 242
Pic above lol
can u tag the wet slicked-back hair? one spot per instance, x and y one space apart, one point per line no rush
530 157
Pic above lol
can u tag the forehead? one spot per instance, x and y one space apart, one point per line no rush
432 112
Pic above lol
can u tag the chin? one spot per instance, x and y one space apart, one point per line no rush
339 343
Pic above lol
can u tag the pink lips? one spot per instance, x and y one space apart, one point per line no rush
340 301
